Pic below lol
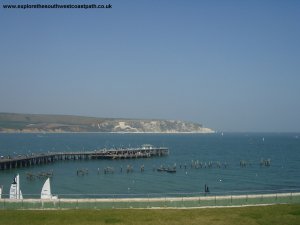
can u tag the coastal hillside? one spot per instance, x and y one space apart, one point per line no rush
12 122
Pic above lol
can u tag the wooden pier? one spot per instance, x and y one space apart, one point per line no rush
20 161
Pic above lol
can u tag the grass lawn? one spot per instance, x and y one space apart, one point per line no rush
276 214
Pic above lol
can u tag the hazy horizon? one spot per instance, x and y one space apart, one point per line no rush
229 65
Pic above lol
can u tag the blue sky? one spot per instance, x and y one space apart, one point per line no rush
230 65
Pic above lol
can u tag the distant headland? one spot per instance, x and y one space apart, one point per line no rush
36 123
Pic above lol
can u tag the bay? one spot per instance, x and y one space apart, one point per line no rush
224 152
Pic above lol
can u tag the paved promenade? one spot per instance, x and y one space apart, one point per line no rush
162 202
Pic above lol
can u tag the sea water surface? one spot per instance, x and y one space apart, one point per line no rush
283 149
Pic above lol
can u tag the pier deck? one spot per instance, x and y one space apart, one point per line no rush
45 158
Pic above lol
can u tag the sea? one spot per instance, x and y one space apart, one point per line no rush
228 163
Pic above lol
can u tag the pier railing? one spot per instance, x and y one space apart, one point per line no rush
133 201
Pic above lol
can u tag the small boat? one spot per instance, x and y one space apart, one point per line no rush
168 169
171 170
15 191
161 169
46 191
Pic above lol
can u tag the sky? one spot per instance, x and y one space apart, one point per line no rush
229 65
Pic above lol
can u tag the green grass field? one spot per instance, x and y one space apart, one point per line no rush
262 215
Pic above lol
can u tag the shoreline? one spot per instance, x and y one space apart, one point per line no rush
95 132
159 199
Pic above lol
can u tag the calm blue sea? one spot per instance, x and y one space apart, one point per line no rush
283 149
